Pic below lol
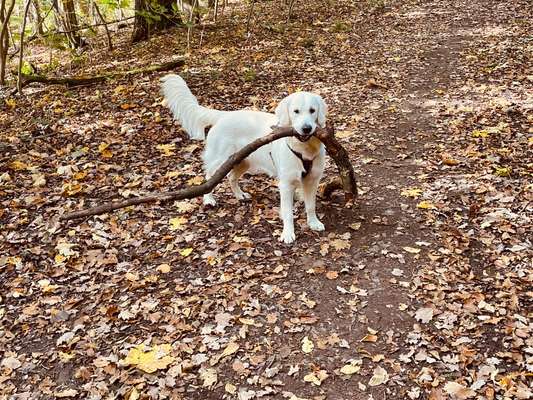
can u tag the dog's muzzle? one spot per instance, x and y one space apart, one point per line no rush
307 132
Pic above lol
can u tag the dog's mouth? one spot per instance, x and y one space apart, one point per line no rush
304 138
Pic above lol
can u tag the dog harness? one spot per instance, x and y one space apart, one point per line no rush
307 164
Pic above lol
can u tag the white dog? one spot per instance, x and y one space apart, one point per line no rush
295 161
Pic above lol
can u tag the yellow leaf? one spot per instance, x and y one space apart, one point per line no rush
209 376
172 174
71 189
413 192
480 133
247 321
103 146
65 249
459 391
130 276
167 149
231 348
18 165
197 180
307 345
46 287
133 394
343 134
352 368
316 377
503 171
106 154
65 357
38 180
412 250
149 361
186 252
355 226
229 388
425 205
341 244
380 376
164 268
59 259
177 223
80 175
184 206
11 103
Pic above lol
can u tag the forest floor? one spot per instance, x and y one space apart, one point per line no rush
421 291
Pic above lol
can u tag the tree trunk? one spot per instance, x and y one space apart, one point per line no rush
65 13
5 14
36 18
140 25
154 15
21 47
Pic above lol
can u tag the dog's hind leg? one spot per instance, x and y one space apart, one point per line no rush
234 176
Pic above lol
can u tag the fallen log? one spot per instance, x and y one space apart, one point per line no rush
87 80
336 151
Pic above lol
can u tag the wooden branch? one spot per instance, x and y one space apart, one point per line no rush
87 80
193 191
327 136
339 154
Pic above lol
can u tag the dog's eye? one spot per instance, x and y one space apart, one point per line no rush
296 111
312 110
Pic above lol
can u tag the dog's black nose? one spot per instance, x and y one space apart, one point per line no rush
307 129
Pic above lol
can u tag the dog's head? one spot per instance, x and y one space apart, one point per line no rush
304 112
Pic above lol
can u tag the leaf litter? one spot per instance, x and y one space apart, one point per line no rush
178 301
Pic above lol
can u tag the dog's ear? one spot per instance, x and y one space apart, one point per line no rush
322 111
282 112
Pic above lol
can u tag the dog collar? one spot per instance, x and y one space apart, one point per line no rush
307 164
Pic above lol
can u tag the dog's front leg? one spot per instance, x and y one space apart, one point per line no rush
286 191
310 187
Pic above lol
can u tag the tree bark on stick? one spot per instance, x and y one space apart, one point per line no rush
338 153
346 173
87 80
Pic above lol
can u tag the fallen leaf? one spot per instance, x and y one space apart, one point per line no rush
149 361
459 391
307 345
424 314
380 377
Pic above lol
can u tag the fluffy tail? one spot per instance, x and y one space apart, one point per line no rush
193 117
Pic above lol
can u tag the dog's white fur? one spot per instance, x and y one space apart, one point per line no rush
232 130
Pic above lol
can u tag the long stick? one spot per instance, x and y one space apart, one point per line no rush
193 191
85 80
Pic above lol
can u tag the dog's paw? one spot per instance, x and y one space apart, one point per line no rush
316 225
287 237
209 200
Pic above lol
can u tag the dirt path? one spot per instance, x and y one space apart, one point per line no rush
395 300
